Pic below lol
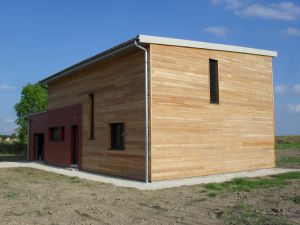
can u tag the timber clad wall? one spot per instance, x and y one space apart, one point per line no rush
119 93
190 136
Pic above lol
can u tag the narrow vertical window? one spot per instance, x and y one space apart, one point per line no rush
91 116
62 133
214 81
117 135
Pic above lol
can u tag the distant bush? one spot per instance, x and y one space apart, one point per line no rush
12 148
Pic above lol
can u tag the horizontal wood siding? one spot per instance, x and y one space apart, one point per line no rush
119 93
190 136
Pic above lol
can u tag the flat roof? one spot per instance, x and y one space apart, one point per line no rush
203 45
147 39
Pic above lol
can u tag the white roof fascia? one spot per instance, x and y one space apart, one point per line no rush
203 45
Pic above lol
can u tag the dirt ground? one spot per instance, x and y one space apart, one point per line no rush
29 196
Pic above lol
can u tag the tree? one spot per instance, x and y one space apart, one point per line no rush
33 100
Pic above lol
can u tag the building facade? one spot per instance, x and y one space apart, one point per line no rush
157 108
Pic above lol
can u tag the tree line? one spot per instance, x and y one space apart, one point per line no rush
33 100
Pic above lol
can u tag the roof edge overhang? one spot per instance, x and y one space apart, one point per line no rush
204 45
146 39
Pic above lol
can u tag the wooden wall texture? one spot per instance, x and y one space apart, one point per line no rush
119 93
190 136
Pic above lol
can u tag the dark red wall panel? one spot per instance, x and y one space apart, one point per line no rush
58 152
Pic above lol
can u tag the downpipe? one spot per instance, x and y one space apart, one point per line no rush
146 113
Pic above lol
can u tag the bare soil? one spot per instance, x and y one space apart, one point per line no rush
29 196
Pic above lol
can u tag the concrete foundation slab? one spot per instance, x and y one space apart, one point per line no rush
141 185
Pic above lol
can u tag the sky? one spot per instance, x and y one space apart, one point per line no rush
39 38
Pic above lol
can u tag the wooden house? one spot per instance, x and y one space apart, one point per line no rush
155 108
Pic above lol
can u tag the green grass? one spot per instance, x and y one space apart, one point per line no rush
212 194
289 145
247 184
287 142
287 176
12 195
282 139
242 214
74 179
296 199
289 160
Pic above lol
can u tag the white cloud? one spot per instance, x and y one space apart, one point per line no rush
8 120
280 89
279 11
294 108
6 87
290 31
218 31
215 2
296 88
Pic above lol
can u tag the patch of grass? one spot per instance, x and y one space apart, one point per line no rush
296 199
240 206
289 160
20 169
289 145
287 142
282 139
212 194
12 195
213 186
30 173
245 215
287 176
74 179
247 184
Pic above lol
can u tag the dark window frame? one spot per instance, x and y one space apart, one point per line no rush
117 136
62 133
91 116
214 81
54 136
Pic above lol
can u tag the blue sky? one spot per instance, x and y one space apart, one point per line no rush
39 38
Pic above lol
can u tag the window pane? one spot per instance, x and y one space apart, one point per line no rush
117 136
91 116
54 134
214 81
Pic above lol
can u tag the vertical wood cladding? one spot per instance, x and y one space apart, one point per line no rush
118 88
190 136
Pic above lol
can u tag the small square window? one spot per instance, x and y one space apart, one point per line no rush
117 135
54 134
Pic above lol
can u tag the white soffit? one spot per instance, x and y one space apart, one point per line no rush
203 45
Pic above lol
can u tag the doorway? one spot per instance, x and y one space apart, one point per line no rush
74 145
39 146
